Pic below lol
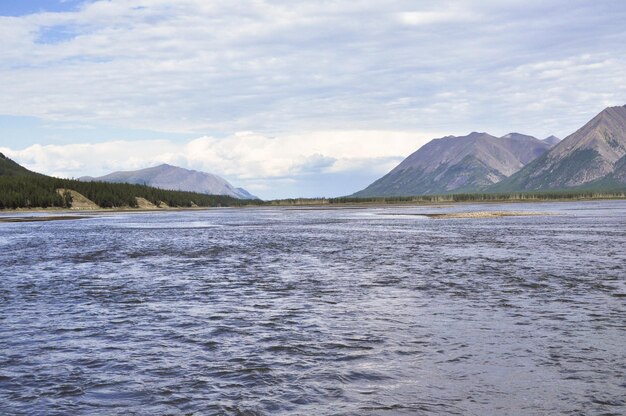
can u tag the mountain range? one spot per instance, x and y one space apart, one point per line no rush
175 178
593 156
458 164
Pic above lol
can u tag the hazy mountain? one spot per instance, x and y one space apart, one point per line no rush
551 140
525 148
593 153
458 164
175 178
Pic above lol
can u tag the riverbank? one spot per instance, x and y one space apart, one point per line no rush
473 210
485 214
44 218
315 204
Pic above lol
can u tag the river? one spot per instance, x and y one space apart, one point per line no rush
355 311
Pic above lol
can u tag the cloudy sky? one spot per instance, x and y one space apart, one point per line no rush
294 98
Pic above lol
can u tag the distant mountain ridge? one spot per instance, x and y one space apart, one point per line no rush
458 164
551 140
594 154
175 178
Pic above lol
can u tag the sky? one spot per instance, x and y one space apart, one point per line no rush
291 98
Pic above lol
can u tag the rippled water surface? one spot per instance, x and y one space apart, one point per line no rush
317 312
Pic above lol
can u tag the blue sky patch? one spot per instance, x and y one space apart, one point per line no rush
25 7
56 34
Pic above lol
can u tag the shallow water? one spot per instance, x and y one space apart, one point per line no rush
343 311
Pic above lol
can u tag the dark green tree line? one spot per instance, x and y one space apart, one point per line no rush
41 191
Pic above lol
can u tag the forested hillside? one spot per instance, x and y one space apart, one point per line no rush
22 188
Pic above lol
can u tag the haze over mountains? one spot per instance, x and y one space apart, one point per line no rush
175 178
594 155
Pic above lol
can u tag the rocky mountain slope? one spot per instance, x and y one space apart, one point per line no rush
174 178
458 164
593 154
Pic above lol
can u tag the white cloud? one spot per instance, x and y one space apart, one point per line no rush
419 18
247 159
73 159
250 155
280 67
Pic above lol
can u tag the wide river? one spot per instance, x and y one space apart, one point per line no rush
370 311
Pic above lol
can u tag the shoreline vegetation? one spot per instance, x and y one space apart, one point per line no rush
537 196
79 203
